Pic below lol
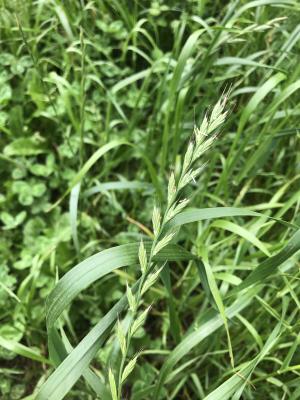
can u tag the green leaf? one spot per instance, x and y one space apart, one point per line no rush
200 214
284 95
77 279
242 232
259 95
269 266
22 350
73 212
208 323
235 385
261 3
5 93
173 311
257 277
242 61
118 185
218 300
129 80
175 85
88 165
24 147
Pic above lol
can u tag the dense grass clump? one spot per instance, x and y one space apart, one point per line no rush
149 199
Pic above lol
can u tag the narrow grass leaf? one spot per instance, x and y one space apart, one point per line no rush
259 95
199 214
22 350
209 323
270 265
118 185
88 165
73 213
242 232
218 300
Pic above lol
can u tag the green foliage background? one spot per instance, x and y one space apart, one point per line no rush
76 75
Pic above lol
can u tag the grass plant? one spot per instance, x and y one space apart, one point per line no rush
114 114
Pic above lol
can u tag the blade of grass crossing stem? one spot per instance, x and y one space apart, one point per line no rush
256 160
282 96
233 387
97 155
290 354
88 165
129 80
109 96
253 332
241 61
270 265
207 325
74 365
242 232
59 350
200 214
229 387
289 44
218 300
93 380
257 98
271 341
260 155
